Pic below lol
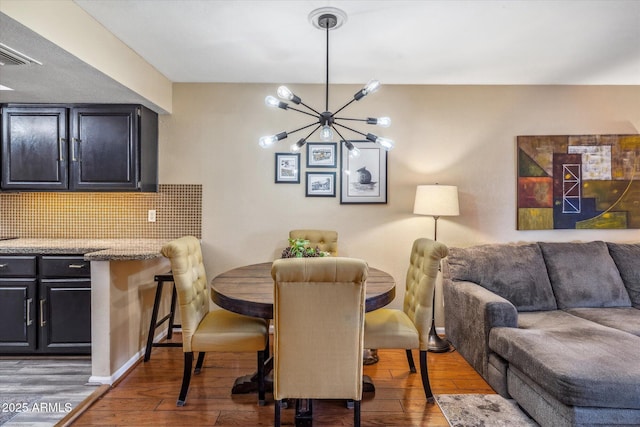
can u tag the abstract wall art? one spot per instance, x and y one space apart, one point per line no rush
578 182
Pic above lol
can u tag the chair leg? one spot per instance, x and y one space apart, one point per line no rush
261 386
412 365
200 362
186 378
356 413
425 376
276 417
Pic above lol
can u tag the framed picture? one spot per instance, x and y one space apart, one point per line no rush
322 155
321 184
571 182
287 168
364 179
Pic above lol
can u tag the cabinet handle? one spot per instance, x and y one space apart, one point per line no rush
29 319
42 321
4 265
60 152
73 149
77 265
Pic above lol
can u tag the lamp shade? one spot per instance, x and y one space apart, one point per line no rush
436 200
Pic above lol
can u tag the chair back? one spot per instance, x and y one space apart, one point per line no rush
325 240
319 327
424 264
191 284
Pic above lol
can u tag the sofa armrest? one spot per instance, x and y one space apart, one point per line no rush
470 312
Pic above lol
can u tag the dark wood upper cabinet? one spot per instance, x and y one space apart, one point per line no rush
34 148
79 148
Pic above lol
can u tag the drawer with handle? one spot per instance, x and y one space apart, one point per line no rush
17 266
64 266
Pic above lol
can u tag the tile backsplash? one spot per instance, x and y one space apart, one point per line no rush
103 215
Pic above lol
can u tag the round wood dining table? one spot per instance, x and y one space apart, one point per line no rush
248 290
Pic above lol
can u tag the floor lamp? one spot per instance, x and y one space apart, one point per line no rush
436 201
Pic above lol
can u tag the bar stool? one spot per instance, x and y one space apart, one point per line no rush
155 323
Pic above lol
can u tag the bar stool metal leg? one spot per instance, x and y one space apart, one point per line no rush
155 323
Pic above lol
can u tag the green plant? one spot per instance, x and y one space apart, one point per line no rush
299 248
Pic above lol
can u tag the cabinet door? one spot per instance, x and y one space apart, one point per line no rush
17 315
104 148
34 148
65 316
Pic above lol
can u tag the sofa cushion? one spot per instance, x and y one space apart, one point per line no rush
577 361
623 318
515 272
627 258
584 275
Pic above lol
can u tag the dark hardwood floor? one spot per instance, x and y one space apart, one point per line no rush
147 394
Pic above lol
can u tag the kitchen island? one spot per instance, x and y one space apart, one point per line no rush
122 294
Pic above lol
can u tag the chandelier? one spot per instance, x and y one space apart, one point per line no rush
327 18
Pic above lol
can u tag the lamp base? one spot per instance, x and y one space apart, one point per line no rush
436 344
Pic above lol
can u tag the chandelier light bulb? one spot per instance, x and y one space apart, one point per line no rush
386 143
285 93
267 141
371 87
384 122
354 152
326 133
294 148
271 101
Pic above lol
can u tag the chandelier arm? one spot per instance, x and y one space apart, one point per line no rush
342 138
305 112
347 127
347 118
303 128
343 107
311 109
311 133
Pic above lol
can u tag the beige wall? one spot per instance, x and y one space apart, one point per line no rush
459 135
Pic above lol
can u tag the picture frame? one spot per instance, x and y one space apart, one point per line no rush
322 155
287 168
364 179
321 184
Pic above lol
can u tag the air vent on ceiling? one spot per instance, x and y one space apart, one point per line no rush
10 56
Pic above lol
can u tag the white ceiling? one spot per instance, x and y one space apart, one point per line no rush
591 42
397 42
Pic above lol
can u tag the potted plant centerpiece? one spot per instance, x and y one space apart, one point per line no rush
300 248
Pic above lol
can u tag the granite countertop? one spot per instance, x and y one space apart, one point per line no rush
92 249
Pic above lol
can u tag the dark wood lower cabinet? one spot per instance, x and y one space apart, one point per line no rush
18 315
45 305
65 316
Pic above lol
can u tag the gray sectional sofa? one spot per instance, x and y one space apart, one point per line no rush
555 326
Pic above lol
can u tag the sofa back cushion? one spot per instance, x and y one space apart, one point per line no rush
627 258
584 275
515 272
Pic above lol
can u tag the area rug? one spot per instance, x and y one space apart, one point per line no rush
486 410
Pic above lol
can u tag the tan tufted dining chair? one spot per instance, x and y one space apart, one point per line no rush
325 240
318 303
205 330
409 328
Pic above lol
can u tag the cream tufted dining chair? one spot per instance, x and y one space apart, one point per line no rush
205 330
325 240
409 328
318 303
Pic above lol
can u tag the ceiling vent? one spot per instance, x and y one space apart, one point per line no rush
10 56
